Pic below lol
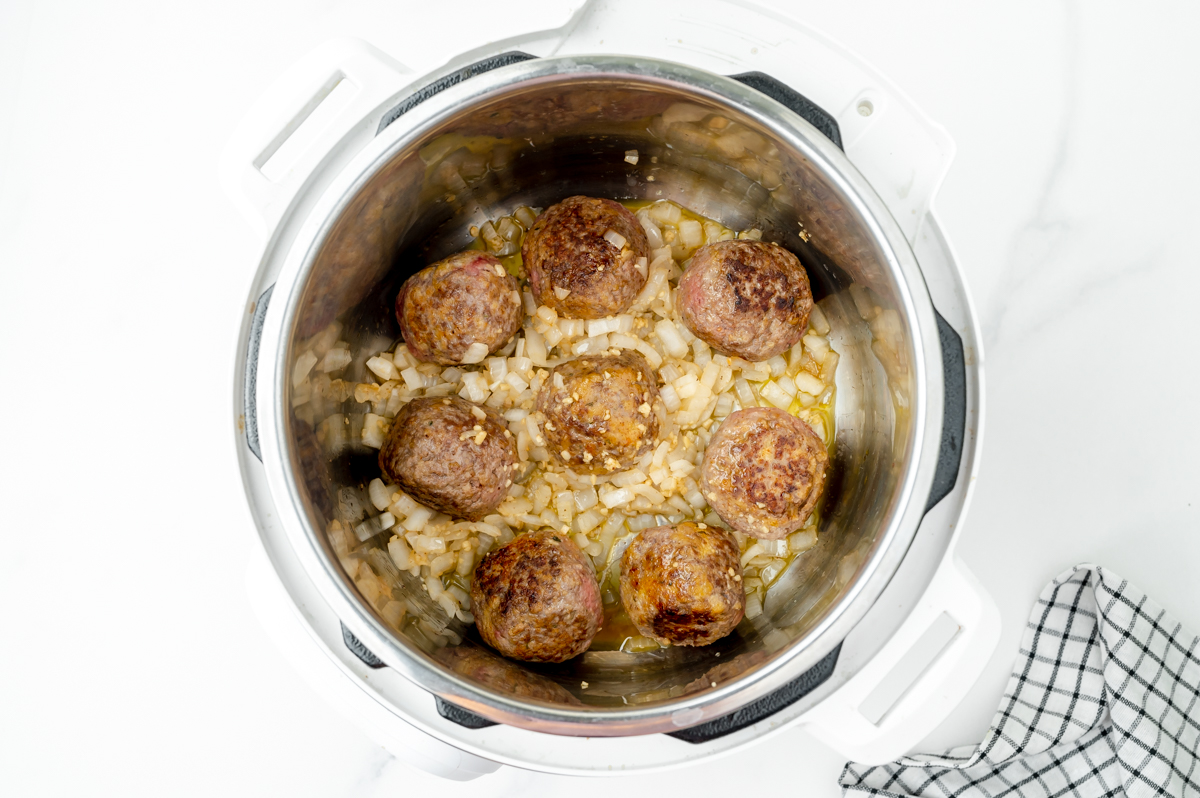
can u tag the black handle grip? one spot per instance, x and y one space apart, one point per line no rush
764 707
814 114
250 375
359 649
954 412
446 81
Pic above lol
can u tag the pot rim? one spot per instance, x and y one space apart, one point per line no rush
309 543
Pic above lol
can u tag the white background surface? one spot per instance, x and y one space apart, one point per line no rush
130 663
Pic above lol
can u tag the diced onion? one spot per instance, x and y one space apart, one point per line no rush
336 360
691 233
304 364
615 238
672 341
374 430
381 495
817 321
596 327
803 540
400 552
616 498
809 384
383 368
776 395
417 519
816 345
475 353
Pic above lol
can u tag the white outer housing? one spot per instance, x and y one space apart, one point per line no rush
904 156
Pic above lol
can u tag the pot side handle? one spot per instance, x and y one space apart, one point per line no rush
925 670
333 94
782 93
954 412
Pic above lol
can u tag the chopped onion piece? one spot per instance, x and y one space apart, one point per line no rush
475 387
304 364
691 233
562 293
817 346
653 234
417 519
589 520
809 384
650 353
631 156
615 238
597 327
616 497
817 321
621 341
670 398
776 395
400 552
381 495
374 430
803 540
672 341
535 347
336 360
475 353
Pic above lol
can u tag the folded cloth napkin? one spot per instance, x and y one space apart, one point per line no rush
1104 701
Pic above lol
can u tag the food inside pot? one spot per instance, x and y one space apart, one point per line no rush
608 421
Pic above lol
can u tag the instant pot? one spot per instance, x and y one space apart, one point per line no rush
869 639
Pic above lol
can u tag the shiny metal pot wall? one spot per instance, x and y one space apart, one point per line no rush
531 133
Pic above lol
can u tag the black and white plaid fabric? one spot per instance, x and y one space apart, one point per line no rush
1104 701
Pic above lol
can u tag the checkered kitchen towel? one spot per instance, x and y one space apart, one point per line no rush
1104 701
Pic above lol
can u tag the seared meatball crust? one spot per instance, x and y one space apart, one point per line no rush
465 299
681 585
435 452
750 299
566 249
604 416
763 472
536 598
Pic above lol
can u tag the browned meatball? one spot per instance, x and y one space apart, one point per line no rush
682 585
450 455
465 299
745 298
600 411
763 472
481 665
566 250
536 598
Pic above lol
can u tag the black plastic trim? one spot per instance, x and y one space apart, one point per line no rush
359 650
764 707
814 114
446 81
463 717
250 375
954 412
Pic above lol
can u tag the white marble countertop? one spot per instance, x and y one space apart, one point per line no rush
133 666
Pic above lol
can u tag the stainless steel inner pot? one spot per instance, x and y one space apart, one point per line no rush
550 128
